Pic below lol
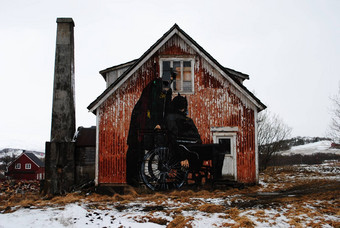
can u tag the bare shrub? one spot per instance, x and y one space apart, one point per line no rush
334 128
296 159
272 132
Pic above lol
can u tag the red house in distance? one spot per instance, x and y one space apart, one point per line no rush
26 167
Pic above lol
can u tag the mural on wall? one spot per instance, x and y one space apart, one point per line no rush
215 95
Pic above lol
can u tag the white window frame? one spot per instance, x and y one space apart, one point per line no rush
28 166
17 166
181 60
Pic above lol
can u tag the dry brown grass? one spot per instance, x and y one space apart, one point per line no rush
211 208
150 218
306 197
180 222
243 222
98 198
69 198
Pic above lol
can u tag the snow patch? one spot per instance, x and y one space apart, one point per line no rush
312 148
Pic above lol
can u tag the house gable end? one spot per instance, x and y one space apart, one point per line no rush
229 74
22 157
15 161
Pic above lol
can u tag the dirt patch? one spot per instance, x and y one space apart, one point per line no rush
153 208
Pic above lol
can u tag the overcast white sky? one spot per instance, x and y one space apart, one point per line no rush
290 49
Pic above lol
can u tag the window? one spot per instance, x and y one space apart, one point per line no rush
224 145
27 166
185 74
17 166
39 176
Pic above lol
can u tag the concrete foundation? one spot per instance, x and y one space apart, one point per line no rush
59 167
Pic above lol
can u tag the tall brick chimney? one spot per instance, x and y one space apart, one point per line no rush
60 151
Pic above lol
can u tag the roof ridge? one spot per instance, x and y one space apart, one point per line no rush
93 106
131 67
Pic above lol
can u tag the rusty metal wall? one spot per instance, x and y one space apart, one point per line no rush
115 114
215 103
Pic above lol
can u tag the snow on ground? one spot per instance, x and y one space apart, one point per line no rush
72 215
312 148
296 196
290 196
11 153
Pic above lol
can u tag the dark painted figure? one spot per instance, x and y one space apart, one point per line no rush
155 111
186 143
147 115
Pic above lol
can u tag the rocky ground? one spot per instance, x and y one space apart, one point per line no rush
294 196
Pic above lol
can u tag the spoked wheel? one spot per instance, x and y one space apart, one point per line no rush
161 171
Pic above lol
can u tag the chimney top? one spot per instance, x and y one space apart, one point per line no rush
65 20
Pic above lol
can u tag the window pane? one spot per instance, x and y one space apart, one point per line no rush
224 146
187 86
187 77
184 74
187 64
166 69
177 84
187 74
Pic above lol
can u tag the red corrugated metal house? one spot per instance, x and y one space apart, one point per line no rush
219 104
26 167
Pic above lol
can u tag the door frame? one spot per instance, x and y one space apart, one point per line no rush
230 133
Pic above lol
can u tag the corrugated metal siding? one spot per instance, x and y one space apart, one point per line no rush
215 103
115 114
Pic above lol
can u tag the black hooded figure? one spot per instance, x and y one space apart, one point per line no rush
180 126
148 114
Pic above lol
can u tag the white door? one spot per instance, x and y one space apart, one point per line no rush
228 146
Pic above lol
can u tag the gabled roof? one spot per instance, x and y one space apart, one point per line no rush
228 73
103 72
32 157
35 159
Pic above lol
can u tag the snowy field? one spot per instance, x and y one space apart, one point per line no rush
312 148
295 196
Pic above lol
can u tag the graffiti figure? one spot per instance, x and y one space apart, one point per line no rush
147 115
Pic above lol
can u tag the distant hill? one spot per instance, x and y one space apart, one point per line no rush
298 141
323 146
16 152
305 150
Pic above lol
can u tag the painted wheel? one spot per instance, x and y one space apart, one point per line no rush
161 171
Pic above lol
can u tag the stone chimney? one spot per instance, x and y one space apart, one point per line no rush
60 151
63 108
